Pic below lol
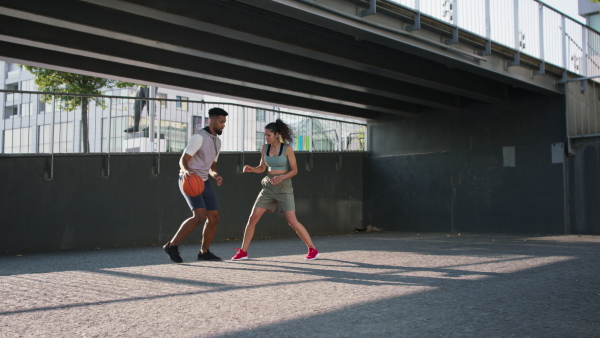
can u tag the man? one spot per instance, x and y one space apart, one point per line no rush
200 158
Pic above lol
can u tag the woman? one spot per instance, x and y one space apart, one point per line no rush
277 186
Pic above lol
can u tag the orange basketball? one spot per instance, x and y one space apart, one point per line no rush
193 185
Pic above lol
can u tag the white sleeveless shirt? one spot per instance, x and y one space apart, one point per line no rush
204 148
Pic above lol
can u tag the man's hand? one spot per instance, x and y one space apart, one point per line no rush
219 179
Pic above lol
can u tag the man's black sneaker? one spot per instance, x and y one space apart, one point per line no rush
208 256
173 252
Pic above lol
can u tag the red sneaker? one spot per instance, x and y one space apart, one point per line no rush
312 254
241 254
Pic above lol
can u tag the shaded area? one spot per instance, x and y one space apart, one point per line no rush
384 284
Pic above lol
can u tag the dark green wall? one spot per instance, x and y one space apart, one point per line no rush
80 209
584 190
445 172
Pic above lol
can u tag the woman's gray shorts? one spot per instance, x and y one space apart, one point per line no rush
271 195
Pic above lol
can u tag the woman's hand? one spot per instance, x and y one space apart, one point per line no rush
276 180
248 169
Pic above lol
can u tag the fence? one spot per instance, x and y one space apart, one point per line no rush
526 26
36 122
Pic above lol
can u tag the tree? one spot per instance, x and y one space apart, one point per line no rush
49 80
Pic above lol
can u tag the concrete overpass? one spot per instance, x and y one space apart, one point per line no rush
315 55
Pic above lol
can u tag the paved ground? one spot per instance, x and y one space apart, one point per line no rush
366 284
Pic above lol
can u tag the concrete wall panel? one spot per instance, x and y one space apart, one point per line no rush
80 209
487 169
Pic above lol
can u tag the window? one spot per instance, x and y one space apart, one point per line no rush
260 115
163 104
10 112
260 140
45 107
26 109
183 105
197 123
28 86
175 134
16 141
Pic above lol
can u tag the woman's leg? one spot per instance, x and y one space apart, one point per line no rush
255 216
290 217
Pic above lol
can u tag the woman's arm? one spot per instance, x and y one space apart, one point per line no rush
261 167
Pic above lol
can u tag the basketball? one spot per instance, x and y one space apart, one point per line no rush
193 185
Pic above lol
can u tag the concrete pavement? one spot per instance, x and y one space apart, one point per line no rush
365 284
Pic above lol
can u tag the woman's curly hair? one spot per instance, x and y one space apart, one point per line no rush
281 128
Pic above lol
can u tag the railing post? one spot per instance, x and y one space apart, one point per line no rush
106 170
372 9
417 24
151 110
109 123
203 113
455 22
584 57
310 159
517 59
159 127
52 126
49 173
242 157
243 129
542 69
564 31
488 30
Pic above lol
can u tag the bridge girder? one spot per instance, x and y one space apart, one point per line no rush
282 52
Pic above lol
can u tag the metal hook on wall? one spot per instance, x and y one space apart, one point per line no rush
310 162
49 171
106 167
156 166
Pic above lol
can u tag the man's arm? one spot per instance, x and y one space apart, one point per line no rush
213 172
183 164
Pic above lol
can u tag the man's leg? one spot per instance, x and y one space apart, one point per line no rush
199 215
210 228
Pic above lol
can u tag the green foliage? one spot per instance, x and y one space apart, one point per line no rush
55 81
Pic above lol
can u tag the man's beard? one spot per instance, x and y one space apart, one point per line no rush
219 132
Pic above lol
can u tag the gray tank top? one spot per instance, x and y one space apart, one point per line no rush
203 159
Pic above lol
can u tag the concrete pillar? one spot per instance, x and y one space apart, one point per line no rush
591 12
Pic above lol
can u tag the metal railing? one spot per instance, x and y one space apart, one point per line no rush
525 26
38 122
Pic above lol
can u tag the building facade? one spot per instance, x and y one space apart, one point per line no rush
161 120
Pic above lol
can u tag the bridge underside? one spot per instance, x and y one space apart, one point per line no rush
289 53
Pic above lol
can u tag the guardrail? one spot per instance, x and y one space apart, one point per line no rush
526 26
39 122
